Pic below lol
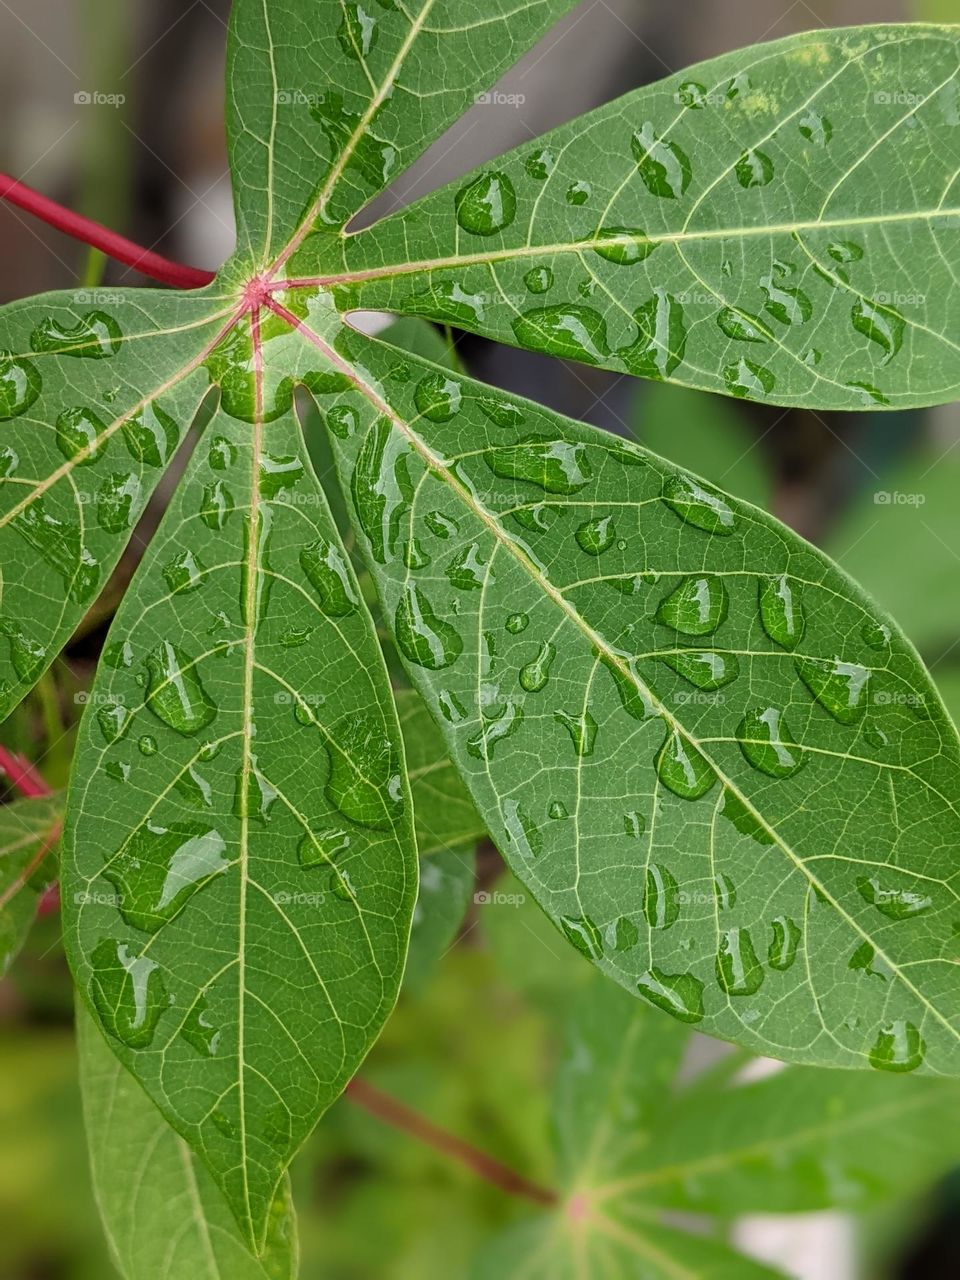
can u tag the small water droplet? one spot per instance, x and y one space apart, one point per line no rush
845 251
661 897
596 536
622 934
487 205
221 454
117 770
540 164
216 505
20 385
629 245
500 412
787 306
781 610
467 571
683 769
147 745
118 502
28 657
451 708
744 820
746 378
343 420
725 892
79 431
9 461
705 669
583 934
60 544
128 991
569 331
881 324
539 280
698 505
174 692
578 193
692 95
661 340
839 687
320 848
754 169
114 721
739 972
742 326
151 436
557 466
815 128
582 729
96 336
357 32
557 810
327 571
696 607
184 573
438 397
634 824
523 834
425 638
899 1046
679 994
364 765
767 743
517 622
199 1030
893 901
786 939
876 635
663 166
534 676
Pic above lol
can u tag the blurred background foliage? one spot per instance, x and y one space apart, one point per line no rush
475 1039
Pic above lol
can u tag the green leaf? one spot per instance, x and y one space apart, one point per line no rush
161 1211
29 831
328 100
772 224
239 866
643 682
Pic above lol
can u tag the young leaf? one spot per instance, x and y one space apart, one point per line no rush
771 224
240 872
725 775
161 1211
29 832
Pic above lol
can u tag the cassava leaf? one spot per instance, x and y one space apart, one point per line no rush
161 1211
778 223
723 773
29 832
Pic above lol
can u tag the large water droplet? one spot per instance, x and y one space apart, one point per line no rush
467 570
381 488
627 247
661 897
534 676
327 571
481 744
683 769
881 324
79 430
839 687
582 729
27 655
96 336
357 32
583 934
570 331
698 505
487 205
746 378
663 166
59 543
680 994
899 1046
184 573
596 536
425 638
174 692
364 769
739 971
159 869
767 743
438 397
151 436
781 610
786 939
500 412
754 169
20 384
893 901
705 669
662 338
118 502
128 991
787 306
557 466
696 607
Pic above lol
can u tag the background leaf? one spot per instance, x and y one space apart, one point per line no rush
29 832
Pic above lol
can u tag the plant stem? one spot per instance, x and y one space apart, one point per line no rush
22 775
102 238
401 1117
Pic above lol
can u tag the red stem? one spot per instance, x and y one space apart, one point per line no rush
395 1113
23 777
114 246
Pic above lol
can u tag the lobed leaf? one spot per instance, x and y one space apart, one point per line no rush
29 832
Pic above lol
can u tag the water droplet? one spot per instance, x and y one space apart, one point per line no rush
481 744
786 939
327 571
634 824
174 692
343 420
680 994
570 332
839 687
881 324
194 789
147 745
447 301
633 695
117 502
629 245
216 505
582 729
9 461
663 166
696 607
867 393
117 770
781 610
812 358
128 991
540 164
114 721
876 635
467 571
557 810
845 251
746 378
381 488
697 505
159 869
516 623
596 536
60 545
438 397
661 897
742 326
440 526
787 306
899 1046
184 573
221 454
27 656
539 280
683 769
895 902
451 708
815 128
739 972
705 669
622 934
79 430
320 848
523 834
662 338
487 205
278 475
151 436
357 32
582 933
425 638
692 95
96 336
767 743
754 169
557 466
725 892
199 1031
253 795
534 676
578 193
500 412
364 769
20 384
